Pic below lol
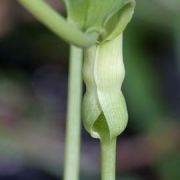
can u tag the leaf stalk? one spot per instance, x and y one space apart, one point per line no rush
73 123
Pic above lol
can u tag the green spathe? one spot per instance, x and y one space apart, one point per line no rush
104 108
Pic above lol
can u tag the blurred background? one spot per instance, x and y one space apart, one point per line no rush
33 94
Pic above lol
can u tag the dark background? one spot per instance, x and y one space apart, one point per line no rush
33 94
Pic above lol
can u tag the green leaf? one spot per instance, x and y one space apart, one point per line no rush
108 17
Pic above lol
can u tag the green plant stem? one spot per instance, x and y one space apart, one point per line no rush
108 160
73 127
55 22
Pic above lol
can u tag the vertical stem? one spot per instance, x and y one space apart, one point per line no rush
108 160
73 127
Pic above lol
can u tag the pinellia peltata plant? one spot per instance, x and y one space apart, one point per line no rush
94 30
